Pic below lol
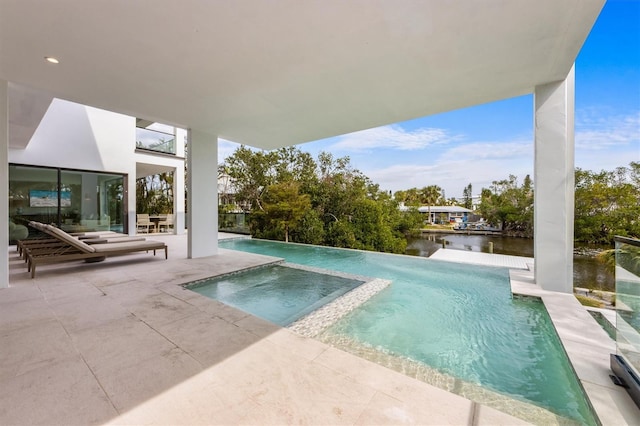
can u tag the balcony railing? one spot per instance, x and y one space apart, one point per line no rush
153 140
626 362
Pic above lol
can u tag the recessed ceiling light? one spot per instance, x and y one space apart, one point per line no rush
51 59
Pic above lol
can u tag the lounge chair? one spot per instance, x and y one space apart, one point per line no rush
44 243
47 240
74 249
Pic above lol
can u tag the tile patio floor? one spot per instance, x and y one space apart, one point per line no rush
121 342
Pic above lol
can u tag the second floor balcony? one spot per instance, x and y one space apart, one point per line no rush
156 137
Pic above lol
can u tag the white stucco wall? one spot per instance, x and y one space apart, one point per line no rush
4 178
76 136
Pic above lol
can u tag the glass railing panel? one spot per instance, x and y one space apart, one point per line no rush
237 223
155 141
627 254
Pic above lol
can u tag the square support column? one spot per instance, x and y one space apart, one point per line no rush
178 201
554 184
202 172
4 182
179 185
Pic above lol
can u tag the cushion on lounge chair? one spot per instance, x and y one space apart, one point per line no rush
111 240
128 246
63 236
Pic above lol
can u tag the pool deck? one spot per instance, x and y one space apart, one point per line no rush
121 342
476 258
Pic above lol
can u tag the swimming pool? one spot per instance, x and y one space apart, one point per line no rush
459 319
277 293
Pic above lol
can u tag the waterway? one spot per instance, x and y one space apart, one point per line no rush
588 272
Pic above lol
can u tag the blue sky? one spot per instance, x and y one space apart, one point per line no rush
489 142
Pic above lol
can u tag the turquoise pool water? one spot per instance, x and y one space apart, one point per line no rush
276 293
459 319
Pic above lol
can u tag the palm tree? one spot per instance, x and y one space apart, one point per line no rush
430 195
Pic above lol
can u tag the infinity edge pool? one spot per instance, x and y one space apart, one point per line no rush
586 345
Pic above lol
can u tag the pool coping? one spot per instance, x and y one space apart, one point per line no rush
317 321
323 317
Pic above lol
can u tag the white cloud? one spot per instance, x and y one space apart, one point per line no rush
489 150
453 177
392 137
598 132
595 160
476 163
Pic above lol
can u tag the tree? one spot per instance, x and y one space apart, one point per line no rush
284 206
607 203
467 197
430 195
295 198
310 229
154 194
509 205
252 172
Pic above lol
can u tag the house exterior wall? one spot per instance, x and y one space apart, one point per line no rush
75 136
4 177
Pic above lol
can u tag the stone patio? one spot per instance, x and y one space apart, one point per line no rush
121 342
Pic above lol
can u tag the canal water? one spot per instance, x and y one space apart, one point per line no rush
588 272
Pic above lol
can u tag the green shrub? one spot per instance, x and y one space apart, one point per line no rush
588 301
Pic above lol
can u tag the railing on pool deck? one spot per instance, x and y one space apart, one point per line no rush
237 223
625 363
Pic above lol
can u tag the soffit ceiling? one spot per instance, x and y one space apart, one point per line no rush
146 169
281 72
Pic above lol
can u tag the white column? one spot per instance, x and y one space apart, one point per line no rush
554 184
202 194
178 186
130 194
4 182
178 201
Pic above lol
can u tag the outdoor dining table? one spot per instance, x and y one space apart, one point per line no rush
155 219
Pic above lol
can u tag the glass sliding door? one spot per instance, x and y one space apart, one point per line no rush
96 201
33 194
73 200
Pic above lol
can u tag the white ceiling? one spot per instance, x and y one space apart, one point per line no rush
27 107
146 169
280 72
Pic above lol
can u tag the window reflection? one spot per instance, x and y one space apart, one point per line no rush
74 200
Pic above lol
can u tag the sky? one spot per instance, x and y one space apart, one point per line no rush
489 142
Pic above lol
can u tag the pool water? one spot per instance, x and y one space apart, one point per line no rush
276 293
459 319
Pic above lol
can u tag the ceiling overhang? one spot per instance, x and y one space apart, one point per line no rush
27 106
282 72
148 169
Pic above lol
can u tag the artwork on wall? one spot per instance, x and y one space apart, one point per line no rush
42 198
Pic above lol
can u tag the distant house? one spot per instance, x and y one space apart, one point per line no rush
443 214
